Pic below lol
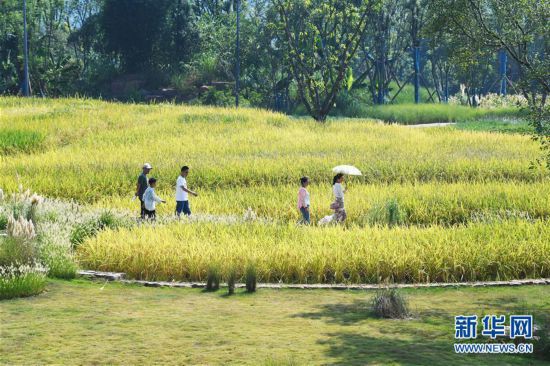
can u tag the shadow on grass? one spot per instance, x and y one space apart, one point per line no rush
343 314
350 348
427 339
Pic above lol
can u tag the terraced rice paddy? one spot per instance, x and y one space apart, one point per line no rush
433 204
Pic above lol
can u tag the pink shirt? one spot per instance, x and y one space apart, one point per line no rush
303 198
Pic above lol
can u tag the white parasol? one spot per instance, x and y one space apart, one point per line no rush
346 169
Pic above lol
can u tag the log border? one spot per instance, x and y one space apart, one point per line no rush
121 277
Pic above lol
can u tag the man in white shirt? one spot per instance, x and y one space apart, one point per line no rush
182 193
150 199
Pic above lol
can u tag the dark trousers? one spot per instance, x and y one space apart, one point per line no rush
151 215
142 213
183 206
305 215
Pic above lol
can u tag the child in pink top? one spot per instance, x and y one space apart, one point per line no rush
303 200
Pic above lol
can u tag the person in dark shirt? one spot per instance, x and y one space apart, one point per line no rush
142 186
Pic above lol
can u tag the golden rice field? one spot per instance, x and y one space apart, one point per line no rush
469 205
311 255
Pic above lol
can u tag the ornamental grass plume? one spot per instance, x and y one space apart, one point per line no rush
20 228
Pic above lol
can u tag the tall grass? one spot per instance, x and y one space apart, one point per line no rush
15 141
508 125
506 250
21 281
431 113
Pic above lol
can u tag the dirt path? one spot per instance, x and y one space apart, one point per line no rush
427 125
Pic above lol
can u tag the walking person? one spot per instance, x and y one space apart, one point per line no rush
142 186
150 200
304 201
338 204
182 193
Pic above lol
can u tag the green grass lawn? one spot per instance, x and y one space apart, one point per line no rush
409 114
81 322
512 125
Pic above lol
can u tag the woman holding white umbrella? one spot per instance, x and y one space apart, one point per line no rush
338 204
338 190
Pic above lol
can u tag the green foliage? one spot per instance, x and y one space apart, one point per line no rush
542 337
220 98
17 251
391 304
432 113
148 33
231 280
17 141
89 228
394 216
107 220
21 281
507 125
81 232
57 258
520 28
251 278
3 221
387 214
321 38
350 104
213 276
406 95
62 266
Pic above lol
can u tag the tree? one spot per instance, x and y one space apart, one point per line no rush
131 28
382 49
11 34
321 38
521 28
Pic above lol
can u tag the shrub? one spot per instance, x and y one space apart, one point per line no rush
89 228
393 214
63 268
542 339
107 220
389 303
219 98
213 278
60 263
493 100
349 104
3 221
388 213
231 279
16 251
406 95
250 276
21 281
83 231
